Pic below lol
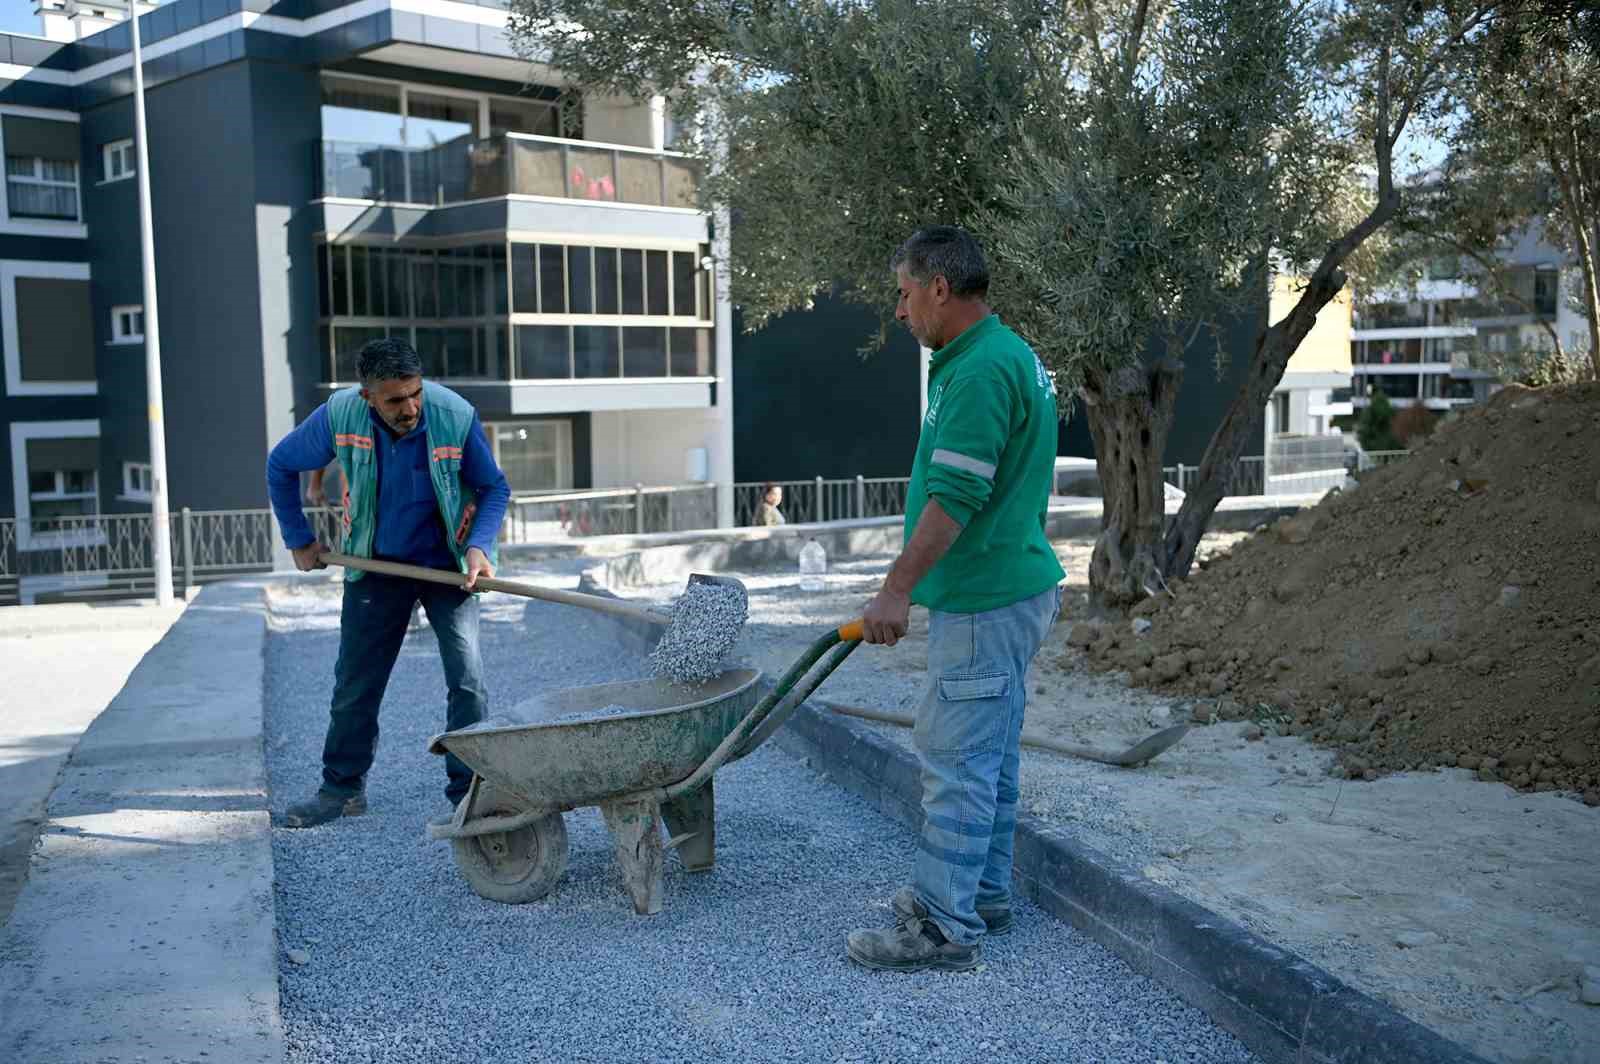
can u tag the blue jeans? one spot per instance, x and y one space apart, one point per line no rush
372 625
968 733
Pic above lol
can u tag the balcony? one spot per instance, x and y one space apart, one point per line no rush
466 170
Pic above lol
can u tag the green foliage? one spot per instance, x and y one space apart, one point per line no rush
1373 425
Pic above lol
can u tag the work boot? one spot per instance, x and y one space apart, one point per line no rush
911 945
996 918
322 807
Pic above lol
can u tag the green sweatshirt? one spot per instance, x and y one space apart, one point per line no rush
987 453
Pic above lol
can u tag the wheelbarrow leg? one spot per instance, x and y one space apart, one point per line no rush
694 815
636 832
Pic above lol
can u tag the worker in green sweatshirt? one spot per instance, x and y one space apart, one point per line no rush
977 557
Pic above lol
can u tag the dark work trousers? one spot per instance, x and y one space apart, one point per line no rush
372 626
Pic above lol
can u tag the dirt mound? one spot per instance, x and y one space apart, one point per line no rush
1443 613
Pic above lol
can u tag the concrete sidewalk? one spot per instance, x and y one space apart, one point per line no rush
146 929
62 667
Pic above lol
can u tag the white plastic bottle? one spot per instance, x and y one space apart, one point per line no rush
813 566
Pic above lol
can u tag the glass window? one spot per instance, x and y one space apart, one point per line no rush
497 352
54 329
542 352
430 345
118 160
363 111
552 279
644 351
42 188
706 306
347 344
127 324
632 280
606 281
523 116
498 298
461 356
656 282
691 352
595 351
535 455
433 120
360 305
398 287
524 278
324 294
683 268
580 280
424 285
450 286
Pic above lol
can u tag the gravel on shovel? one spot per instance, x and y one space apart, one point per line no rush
706 622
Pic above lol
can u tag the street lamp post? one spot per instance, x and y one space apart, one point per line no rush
160 527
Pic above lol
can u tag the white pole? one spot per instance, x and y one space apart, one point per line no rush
160 530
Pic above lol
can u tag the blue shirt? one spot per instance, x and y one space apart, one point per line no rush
409 526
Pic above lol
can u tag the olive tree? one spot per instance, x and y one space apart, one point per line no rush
1137 166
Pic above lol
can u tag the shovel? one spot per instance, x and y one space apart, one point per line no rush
1140 752
598 603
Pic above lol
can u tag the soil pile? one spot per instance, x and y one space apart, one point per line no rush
1442 613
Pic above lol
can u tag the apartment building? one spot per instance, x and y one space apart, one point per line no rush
324 172
1437 345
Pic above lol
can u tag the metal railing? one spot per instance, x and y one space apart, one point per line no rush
110 556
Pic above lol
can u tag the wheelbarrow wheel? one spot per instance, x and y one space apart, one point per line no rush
517 866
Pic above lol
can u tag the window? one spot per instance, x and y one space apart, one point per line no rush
127 325
46 328
118 160
62 482
41 160
136 481
1280 414
534 455
42 188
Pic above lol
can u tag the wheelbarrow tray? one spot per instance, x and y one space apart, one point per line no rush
561 765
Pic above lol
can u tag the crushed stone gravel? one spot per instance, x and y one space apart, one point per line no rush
404 963
706 622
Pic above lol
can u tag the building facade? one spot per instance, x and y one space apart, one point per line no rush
325 172
1438 344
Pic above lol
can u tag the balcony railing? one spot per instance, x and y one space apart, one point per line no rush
464 169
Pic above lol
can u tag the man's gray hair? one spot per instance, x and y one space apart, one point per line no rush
946 250
388 359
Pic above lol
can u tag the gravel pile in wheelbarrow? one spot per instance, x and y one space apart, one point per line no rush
706 622
395 960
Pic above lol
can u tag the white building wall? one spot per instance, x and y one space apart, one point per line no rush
650 447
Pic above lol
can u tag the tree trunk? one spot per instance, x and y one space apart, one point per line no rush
1274 348
1130 414
1571 202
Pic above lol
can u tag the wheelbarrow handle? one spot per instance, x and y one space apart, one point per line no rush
737 738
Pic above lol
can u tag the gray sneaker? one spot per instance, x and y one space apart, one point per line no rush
996 918
321 808
911 945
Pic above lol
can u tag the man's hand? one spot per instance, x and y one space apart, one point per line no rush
305 558
887 617
477 565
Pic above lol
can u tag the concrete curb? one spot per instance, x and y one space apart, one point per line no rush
147 930
1284 1008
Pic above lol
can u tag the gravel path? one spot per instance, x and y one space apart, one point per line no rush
402 962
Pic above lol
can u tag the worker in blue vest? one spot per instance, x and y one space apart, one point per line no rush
422 487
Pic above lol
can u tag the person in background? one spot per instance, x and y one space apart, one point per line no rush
423 489
768 514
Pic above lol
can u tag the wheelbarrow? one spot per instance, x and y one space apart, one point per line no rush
650 768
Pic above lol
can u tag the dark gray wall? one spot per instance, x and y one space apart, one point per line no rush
806 404
231 169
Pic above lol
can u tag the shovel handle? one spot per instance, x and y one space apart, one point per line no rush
490 583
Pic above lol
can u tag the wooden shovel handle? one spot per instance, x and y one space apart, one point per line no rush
489 583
